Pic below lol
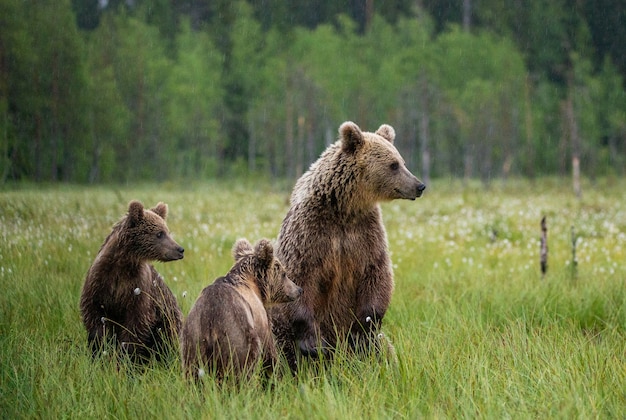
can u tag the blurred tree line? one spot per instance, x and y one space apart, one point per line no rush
128 90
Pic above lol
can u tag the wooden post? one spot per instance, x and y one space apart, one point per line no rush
543 256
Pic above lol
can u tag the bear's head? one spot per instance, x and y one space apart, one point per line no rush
269 275
381 168
146 234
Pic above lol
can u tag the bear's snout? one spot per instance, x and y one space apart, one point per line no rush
420 189
412 191
177 253
181 251
295 292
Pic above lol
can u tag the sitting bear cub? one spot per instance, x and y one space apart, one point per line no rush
124 301
228 330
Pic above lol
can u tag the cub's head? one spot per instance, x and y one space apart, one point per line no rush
382 170
146 235
267 272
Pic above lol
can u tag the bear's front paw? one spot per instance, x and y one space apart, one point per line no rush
364 336
313 348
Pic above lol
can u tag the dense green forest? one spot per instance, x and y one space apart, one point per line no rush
96 91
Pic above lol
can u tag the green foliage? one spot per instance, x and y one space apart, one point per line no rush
44 85
162 90
142 70
195 92
108 117
477 331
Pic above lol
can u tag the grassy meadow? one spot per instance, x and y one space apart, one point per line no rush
478 332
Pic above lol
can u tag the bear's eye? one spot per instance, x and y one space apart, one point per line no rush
160 234
394 166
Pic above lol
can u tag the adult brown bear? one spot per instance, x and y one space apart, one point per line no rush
334 245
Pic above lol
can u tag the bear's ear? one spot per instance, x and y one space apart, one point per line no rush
265 253
135 212
386 132
242 248
351 137
160 209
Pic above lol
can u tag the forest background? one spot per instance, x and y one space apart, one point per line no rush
97 91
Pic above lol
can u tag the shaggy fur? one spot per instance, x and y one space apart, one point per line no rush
124 300
228 329
333 243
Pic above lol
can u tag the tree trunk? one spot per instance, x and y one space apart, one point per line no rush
369 13
615 160
576 175
468 163
486 149
410 129
311 125
562 149
289 115
530 148
574 139
300 146
467 15
54 132
252 148
96 151
37 148
425 129
310 143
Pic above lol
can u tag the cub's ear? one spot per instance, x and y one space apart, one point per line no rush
242 248
351 137
160 209
387 132
265 253
135 212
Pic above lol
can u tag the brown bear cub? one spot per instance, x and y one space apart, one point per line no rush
228 331
334 245
125 302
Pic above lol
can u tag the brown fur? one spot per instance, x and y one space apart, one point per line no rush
228 329
333 242
124 300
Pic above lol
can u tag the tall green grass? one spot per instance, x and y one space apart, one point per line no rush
478 332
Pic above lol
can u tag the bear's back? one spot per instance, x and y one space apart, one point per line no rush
227 322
